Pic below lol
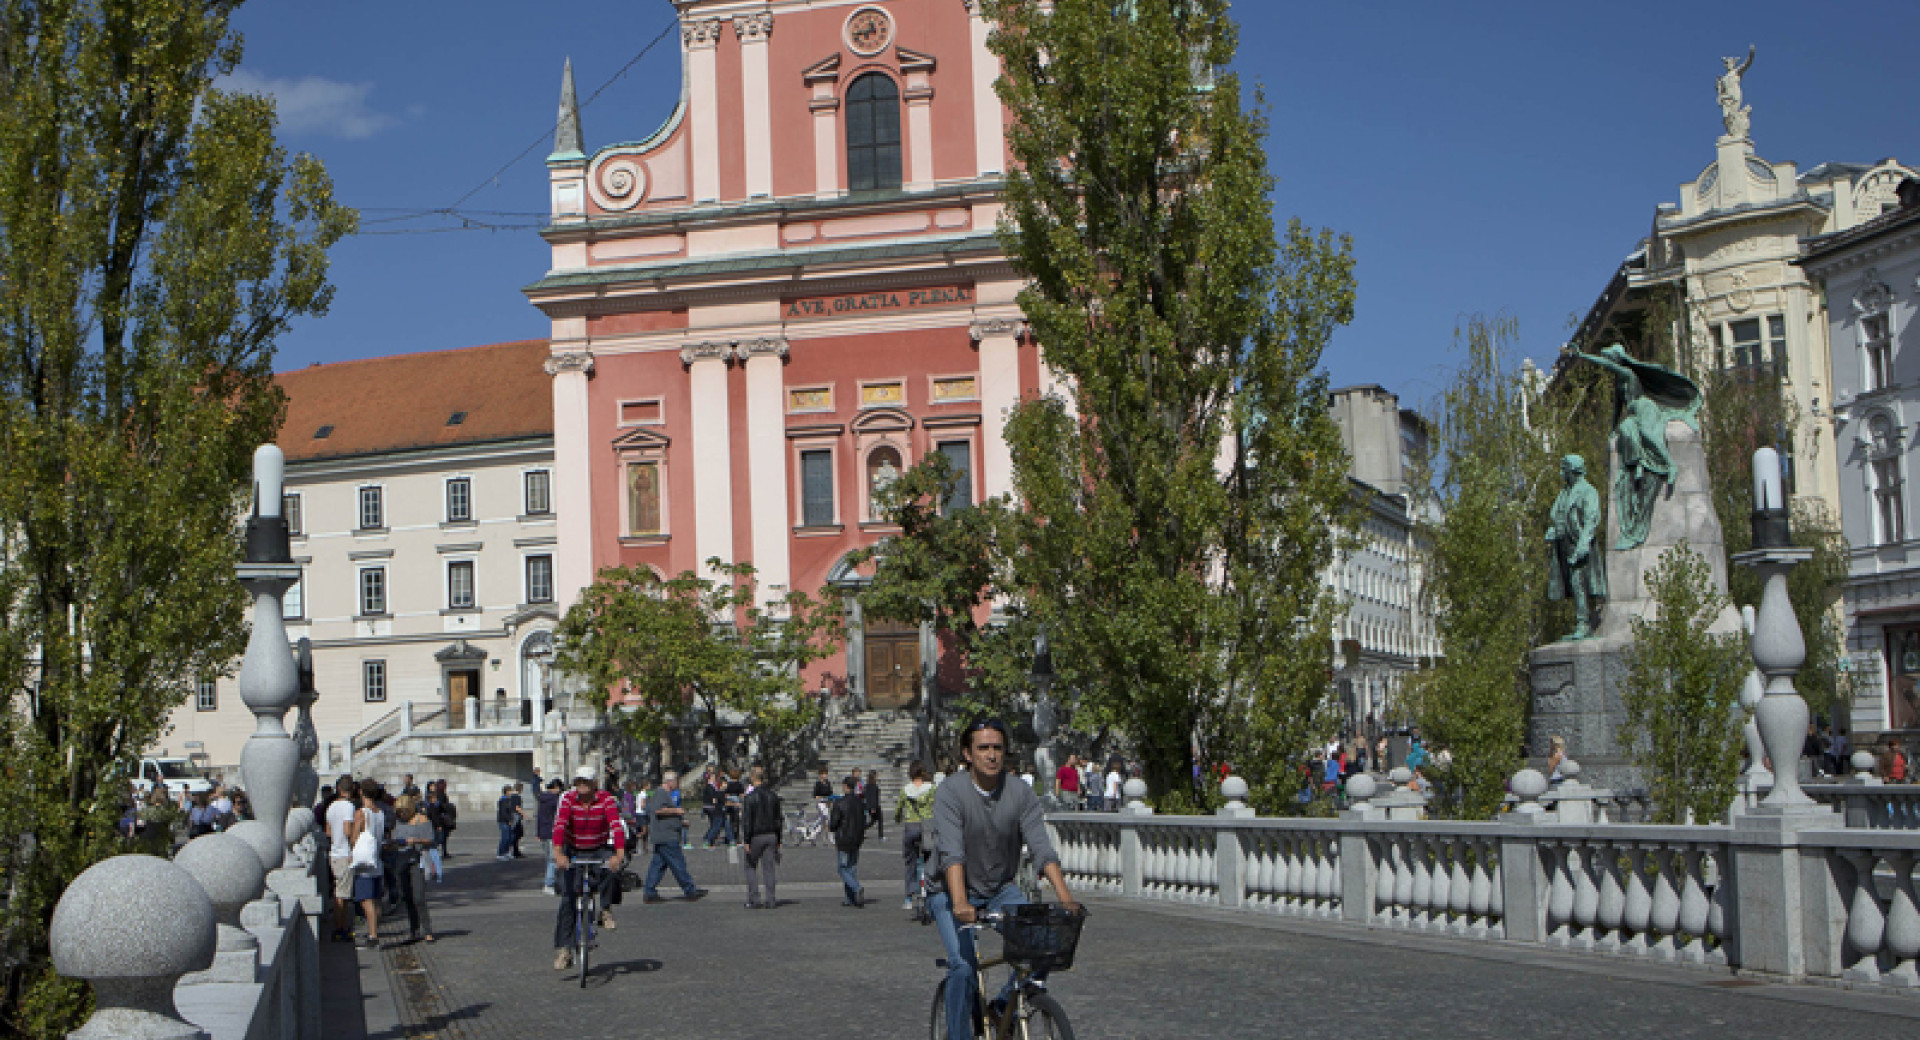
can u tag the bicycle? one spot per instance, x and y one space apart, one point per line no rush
1026 877
923 886
589 873
1034 936
808 829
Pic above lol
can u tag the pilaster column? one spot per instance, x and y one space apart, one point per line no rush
712 453
989 141
823 80
753 31
572 476
767 464
700 38
918 70
999 345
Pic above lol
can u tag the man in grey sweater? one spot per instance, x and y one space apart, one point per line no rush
979 823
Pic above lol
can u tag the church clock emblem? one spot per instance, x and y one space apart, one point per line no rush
869 31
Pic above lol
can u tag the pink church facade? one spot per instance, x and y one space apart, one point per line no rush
783 298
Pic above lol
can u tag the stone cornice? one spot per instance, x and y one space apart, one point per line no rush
996 327
578 361
700 32
753 348
1862 253
753 27
711 351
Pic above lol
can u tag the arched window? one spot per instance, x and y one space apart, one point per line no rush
1883 474
873 133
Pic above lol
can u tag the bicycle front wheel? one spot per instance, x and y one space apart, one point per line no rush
1042 1019
938 1025
582 935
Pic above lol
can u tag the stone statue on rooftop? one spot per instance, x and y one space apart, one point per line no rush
1573 528
1646 398
1737 116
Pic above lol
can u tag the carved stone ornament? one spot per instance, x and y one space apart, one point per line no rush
700 32
753 27
991 327
581 362
1739 293
1874 297
762 348
705 352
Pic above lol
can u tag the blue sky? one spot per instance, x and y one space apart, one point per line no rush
1485 157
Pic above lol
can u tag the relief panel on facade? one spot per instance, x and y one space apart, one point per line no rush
643 499
956 388
883 395
810 399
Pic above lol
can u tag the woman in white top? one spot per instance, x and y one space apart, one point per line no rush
1112 794
369 887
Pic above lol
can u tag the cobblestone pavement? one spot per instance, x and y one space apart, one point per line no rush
813 968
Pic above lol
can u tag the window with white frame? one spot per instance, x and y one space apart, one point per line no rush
373 681
373 513
539 495
290 508
293 605
206 695
1883 467
459 500
1876 335
540 579
460 585
816 488
373 591
960 457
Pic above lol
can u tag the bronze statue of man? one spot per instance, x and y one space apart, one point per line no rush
1572 528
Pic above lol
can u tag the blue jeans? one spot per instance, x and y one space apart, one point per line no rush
506 841
668 857
718 824
849 878
962 962
546 849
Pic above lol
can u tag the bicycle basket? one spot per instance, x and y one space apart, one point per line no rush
1042 935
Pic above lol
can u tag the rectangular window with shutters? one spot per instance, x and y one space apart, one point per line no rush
206 696
372 512
1745 335
459 500
290 508
373 591
960 456
816 488
539 492
373 681
540 579
1879 344
460 585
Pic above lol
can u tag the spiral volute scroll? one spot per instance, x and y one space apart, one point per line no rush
620 183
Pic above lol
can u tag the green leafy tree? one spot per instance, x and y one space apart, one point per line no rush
1493 489
696 648
1682 696
1180 498
155 241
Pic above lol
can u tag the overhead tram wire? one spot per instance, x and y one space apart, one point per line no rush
466 218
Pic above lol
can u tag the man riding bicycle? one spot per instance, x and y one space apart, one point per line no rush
979 823
587 824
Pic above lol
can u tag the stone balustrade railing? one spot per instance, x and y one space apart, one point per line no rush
1831 903
1872 805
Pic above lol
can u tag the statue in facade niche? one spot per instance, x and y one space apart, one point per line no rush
1573 529
1737 117
1646 398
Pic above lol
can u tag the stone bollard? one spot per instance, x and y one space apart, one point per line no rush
131 926
1528 785
1573 800
1132 876
1234 789
1403 802
1361 788
229 872
1864 764
1358 874
1228 857
1136 792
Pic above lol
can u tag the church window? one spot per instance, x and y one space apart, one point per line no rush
1889 512
873 133
816 488
1878 338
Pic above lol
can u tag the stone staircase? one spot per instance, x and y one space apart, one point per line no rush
880 741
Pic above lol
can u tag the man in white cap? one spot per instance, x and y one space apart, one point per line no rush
586 822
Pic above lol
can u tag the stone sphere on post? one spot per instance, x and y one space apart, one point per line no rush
1234 789
131 926
1863 764
229 871
261 839
1401 777
1136 792
1361 788
1569 770
1528 785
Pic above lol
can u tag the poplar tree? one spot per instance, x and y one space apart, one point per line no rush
155 240
1180 497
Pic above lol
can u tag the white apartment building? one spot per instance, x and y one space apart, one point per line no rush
420 497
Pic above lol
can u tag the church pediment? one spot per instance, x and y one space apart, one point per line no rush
882 420
640 439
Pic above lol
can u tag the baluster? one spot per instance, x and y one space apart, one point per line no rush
1612 908
1691 921
1313 876
1480 890
1666 906
1460 894
1403 882
1496 888
1903 923
1183 872
1386 868
1209 867
1422 894
1560 895
1329 890
1639 908
1720 916
1153 873
1586 895
1866 924
1296 889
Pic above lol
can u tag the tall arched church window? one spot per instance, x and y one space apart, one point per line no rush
873 133
1883 470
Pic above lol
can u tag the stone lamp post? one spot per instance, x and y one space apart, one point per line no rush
1779 648
269 679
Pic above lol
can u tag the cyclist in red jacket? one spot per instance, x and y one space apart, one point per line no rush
586 822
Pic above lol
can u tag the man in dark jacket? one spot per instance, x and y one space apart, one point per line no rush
848 822
543 827
760 829
871 795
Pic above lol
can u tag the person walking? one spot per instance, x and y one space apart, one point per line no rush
870 794
548 804
369 888
415 839
848 822
713 803
1066 782
446 817
520 819
339 816
1110 797
666 830
913 810
506 814
761 828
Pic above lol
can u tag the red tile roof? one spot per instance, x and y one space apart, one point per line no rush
403 402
